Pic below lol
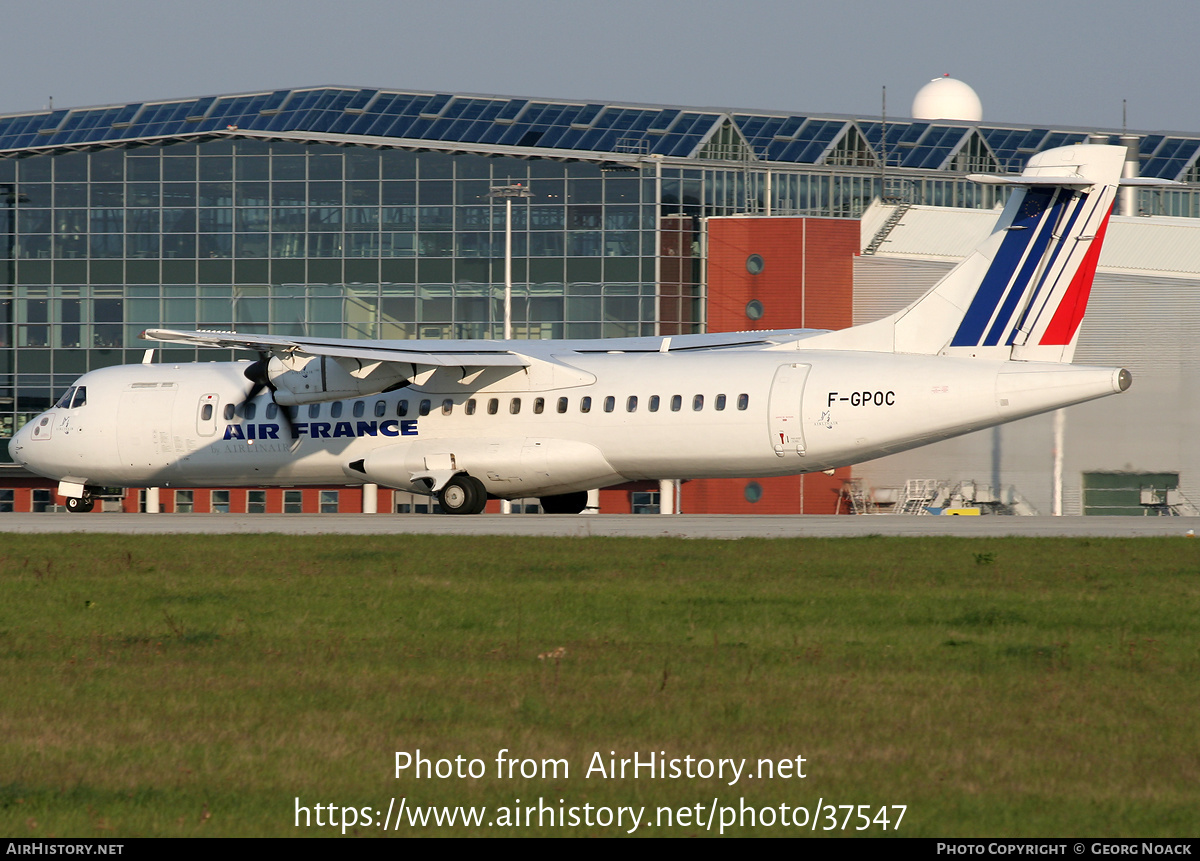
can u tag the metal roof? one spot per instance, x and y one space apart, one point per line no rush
552 128
1133 245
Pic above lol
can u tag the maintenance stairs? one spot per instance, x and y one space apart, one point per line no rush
883 232
923 496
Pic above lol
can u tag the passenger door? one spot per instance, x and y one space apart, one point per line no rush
784 418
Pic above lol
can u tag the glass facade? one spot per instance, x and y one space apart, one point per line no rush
350 242
306 240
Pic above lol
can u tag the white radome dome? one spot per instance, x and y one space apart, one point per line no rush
947 98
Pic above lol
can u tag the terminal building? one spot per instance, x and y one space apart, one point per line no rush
371 213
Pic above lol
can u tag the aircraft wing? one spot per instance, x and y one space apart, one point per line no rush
428 353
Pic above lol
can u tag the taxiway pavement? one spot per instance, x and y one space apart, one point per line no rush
613 525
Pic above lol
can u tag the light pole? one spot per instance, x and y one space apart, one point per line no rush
508 192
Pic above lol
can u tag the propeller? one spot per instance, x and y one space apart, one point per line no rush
256 373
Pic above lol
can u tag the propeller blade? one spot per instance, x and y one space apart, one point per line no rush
285 414
256 373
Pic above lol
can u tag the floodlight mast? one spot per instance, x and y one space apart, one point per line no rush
508 192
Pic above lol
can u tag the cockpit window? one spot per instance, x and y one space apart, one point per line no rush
76 396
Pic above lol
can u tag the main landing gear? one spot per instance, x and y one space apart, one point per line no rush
81 504
462 495
465 494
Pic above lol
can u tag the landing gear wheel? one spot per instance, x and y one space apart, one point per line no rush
80 504
480 495
462 495
565 503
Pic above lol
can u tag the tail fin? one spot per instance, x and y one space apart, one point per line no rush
1023 292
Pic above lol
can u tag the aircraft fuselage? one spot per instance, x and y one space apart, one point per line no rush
619 416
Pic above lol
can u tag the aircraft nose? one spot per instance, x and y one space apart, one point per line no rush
16 445
21 447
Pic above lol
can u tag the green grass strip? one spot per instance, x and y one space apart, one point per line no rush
197 685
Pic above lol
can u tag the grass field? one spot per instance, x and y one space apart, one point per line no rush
194 685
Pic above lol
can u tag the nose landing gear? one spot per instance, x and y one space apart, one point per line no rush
81 504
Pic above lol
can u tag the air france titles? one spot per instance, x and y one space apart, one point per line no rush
324 430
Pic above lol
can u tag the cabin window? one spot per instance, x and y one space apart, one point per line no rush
251 410
654 403
359 409
380 409
514 406
271 412
585 405
402 409
539 406
335 410
631 404
493 406
743 401
676 403
720 403
229 409
469 407
562 405
206 413
425 405
314 411
698 402
609 404
447 406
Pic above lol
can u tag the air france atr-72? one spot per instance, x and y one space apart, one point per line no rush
468 420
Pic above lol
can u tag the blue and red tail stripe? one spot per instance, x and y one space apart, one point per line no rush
1038 206
1054 271
1069 314
1031 269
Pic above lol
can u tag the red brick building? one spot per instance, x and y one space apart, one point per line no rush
762 273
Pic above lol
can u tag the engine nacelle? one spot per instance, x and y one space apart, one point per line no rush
316 379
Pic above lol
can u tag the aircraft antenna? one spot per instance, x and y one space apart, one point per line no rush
883 148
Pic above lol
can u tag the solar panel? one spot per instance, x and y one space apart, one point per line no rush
1172 158
580 126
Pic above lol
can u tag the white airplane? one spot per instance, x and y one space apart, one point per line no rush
468 420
